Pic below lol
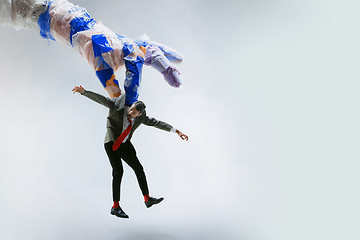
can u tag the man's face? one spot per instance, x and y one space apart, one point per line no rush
132 112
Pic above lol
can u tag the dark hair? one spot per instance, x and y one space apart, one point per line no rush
140 106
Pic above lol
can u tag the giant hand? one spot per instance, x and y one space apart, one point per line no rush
106 51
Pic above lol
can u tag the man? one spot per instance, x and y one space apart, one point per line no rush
122 121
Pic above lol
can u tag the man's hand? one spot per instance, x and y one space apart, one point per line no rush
78 89
182 135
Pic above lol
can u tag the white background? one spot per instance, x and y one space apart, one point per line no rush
269 100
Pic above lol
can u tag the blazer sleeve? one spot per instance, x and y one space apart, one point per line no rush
150 121
105 101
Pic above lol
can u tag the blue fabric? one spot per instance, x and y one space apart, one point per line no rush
102 64
105 75
81 23
128 48
133 79
142 42
44 23
127 44
121 36
100 44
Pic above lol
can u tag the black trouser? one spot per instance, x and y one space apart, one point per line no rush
126 152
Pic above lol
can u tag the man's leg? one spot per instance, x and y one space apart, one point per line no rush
117 170
129 156
117 173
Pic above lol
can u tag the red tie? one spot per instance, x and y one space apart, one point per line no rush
120 139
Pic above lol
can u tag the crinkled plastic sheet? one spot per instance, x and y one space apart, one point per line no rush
21 14
105 50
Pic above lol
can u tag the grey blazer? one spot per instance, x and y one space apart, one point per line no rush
114 123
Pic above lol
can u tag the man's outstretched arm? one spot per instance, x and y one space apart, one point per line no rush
149 121
93 96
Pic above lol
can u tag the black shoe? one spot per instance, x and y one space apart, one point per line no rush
119 212
153 201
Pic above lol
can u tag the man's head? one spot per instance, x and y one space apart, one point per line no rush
136 110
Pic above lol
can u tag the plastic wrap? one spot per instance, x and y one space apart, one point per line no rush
5 13
102 48
106 51
155 57
21 14
133 78
171 54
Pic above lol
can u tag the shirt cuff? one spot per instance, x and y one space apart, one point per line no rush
173 130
